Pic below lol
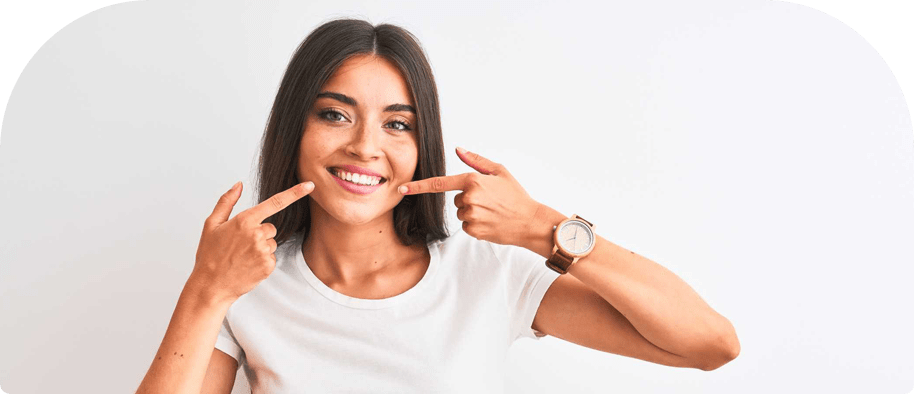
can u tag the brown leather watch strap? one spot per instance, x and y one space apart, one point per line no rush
559 262
585 220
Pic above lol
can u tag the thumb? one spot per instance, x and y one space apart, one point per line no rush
479 163
224 207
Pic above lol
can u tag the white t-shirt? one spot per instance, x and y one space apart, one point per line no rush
448 333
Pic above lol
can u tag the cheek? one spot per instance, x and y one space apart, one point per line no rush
316 146
406 158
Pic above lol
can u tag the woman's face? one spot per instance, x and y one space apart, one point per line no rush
363 116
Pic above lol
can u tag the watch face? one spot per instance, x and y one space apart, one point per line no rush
576 236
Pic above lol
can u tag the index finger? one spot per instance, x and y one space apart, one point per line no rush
278 202
436 184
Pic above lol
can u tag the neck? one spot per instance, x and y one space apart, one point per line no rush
346 254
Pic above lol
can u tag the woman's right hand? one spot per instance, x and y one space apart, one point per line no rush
235 255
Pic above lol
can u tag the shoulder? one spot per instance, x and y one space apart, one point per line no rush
469 253
288 253
462 245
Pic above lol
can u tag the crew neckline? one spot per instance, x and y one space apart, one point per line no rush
365 303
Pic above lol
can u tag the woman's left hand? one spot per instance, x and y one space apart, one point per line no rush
492 205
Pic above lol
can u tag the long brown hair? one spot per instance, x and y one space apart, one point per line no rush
418 217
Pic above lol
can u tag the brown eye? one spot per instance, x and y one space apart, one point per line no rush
404 125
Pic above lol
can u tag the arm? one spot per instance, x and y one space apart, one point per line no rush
613 288
660 305
184 355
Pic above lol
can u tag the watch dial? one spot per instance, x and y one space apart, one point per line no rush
576 236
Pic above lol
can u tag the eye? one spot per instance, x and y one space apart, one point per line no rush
331 115
404 125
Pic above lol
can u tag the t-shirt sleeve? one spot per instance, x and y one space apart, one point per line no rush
527 279
227 343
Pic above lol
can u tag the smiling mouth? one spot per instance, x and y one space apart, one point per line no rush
333 170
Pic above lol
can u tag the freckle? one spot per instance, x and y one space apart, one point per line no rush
380 231
176 352
182 354
633 252
160 357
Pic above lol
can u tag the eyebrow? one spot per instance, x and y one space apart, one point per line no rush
351 101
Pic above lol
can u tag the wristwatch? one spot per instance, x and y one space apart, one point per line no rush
574 238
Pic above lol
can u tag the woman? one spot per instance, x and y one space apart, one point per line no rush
359 288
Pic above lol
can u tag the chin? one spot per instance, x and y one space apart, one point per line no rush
353 212
356 219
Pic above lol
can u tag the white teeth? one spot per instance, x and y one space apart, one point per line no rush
358 178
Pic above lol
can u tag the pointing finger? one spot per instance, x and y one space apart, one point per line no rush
436 184
278 202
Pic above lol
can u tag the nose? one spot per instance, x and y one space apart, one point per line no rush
364 144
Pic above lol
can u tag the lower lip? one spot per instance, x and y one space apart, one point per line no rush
357 189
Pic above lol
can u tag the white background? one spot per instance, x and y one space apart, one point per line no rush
760 150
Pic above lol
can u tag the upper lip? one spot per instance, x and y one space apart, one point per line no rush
358 170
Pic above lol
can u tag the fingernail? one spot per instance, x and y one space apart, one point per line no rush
403 189
307 185
461 150
235 186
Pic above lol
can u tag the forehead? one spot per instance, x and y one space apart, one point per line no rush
372 81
